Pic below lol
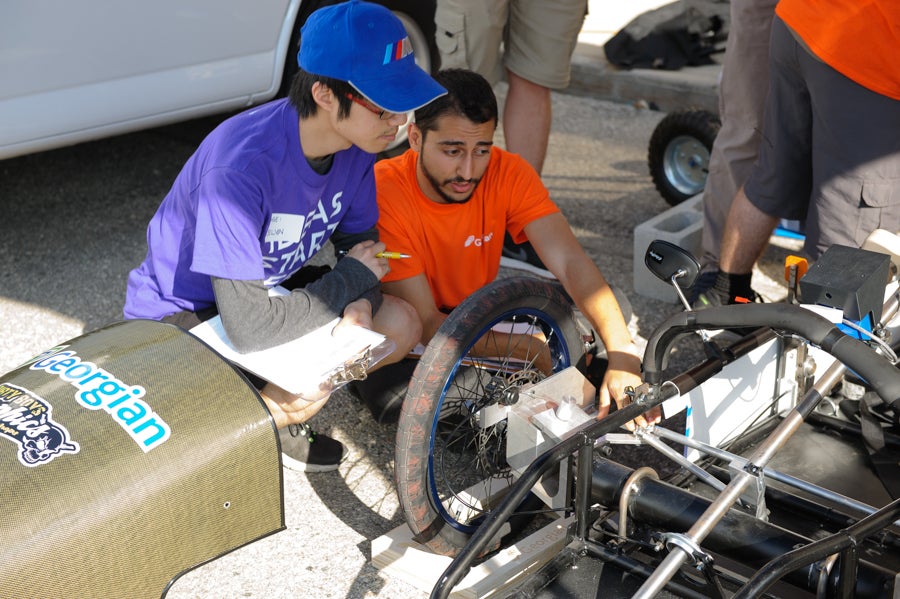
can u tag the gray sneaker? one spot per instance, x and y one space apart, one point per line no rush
702 285
304 450
712 298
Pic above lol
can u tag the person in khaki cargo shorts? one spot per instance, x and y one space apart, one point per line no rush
537 39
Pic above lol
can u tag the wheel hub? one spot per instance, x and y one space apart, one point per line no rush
500 391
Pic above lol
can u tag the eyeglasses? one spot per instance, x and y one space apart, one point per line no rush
384 115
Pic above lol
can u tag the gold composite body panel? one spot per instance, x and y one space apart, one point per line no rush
100 500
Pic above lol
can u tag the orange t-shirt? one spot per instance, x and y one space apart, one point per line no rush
858 38
457 246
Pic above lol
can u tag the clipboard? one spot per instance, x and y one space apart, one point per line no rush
312 366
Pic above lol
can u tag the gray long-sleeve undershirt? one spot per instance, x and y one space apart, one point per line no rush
254 320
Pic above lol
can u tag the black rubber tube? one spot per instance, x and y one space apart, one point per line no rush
858 356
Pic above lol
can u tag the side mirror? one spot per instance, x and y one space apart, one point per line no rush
671 263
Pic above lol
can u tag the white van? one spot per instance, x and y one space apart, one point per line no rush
73 71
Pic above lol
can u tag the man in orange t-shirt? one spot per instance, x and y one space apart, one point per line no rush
448 201
456 244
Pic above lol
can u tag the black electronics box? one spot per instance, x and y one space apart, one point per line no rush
850 279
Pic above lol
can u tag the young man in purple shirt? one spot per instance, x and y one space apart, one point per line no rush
265 191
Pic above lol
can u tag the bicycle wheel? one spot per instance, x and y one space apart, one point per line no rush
450 459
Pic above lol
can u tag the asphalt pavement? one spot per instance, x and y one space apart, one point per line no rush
74 222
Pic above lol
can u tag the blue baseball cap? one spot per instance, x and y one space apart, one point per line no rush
365 45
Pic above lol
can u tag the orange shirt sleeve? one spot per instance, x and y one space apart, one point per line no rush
526 197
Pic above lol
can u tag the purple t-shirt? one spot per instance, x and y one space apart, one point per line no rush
247 206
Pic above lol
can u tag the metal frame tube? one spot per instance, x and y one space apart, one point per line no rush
860 508
654 441
843 541
582 440
732 493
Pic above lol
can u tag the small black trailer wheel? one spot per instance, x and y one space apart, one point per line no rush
679 151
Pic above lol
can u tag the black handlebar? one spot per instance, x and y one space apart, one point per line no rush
859 357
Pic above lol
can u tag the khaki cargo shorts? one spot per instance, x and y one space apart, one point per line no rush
537 37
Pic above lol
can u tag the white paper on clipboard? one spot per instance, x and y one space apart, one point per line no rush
313 365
